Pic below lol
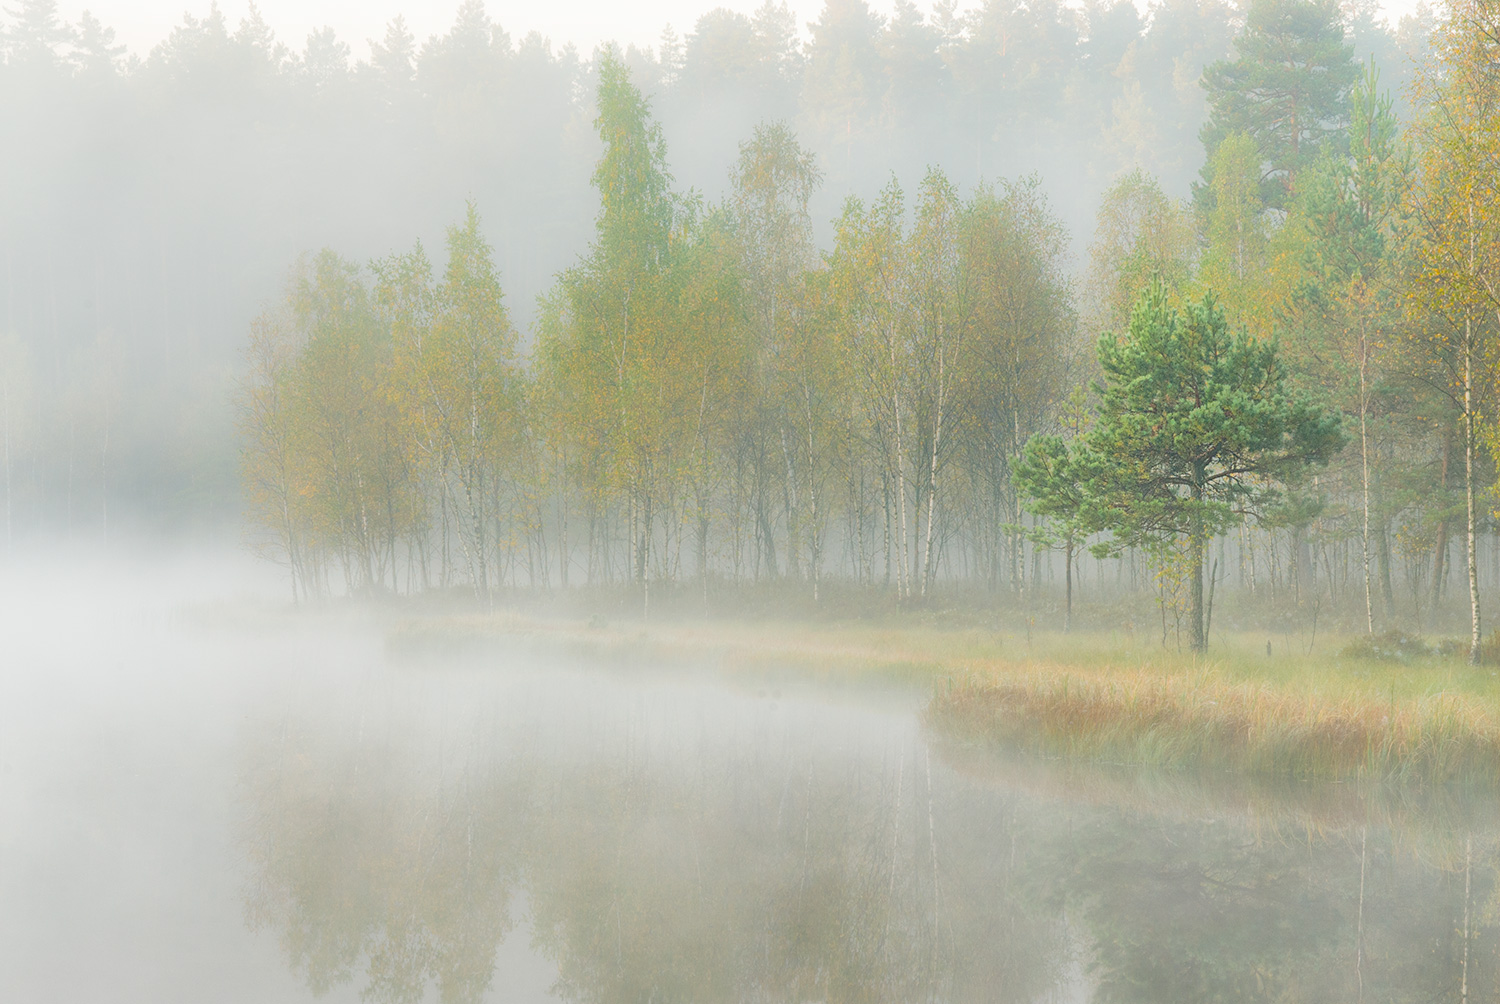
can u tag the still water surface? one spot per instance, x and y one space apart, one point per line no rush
202 799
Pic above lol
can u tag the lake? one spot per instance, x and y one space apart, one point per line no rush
207 797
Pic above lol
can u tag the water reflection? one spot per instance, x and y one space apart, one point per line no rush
659 844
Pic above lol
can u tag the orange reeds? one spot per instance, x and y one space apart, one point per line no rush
1139 717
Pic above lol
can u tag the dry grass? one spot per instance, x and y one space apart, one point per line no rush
1326 715
1154 720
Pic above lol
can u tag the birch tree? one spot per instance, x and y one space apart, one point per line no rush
468 371
1024 345
869 285
1454 290
773 183
940 303
267 461
1336 250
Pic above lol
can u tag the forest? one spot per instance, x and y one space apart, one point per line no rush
163 195
753 306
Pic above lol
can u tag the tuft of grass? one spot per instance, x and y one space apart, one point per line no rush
1207 721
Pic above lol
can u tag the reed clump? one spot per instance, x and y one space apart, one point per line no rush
1208 722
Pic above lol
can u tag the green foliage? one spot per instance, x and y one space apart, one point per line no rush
1286 90
1348 203
635 205
1197 426
1197 430
1049 477
1140 236
1236 226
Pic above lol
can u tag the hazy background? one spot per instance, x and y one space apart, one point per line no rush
160 172
141 24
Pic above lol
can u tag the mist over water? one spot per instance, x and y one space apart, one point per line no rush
202 797
118 714
355 304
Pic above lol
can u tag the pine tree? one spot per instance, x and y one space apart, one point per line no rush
1287 90
1197 428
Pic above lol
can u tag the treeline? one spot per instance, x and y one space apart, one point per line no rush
709 397
149 202
706 398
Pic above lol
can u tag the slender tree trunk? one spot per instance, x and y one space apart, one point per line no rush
885 488
1068 578
472 535
903 584
929 566
703 549
443 505
814 541
1383 552
1474 644
562 536
768 540
1364 460
1017 565
1015 545
1463 985
1440 551
645 558
857 505
1195 635
792 507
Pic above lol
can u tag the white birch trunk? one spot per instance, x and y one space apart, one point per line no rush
1364 460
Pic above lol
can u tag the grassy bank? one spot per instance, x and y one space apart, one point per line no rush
1205 722
1398 710
1412 715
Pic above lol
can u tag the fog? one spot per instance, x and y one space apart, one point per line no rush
371 630
153 198
207 797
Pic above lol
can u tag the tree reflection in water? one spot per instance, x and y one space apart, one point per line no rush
663 854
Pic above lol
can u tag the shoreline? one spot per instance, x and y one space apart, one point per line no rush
1091 697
